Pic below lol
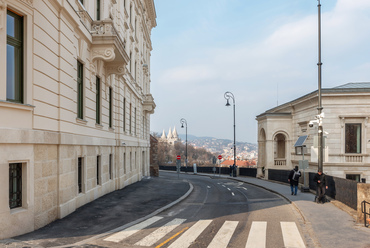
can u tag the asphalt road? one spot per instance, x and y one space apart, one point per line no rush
218 213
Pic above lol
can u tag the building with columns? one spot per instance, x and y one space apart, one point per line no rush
75 105
346 133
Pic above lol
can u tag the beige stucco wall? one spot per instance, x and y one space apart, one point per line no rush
44 133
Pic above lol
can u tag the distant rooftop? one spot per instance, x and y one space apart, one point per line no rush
353 86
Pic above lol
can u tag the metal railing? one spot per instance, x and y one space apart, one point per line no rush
366 214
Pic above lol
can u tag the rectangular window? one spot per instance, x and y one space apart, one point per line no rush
80 90
124 114
110 107
130 63
14 57
135 121
15 185
124 163
353 138
354 177
130 161
98 162
97 94
135 70
79 175
110 167
98 10
130 118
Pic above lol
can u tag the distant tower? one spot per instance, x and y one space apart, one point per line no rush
171 138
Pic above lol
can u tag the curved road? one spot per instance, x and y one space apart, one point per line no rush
218 213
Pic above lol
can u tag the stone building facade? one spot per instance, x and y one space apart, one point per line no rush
346 133
75 105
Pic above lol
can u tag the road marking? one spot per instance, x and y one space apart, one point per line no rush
291 235
160 233
174 236
223 186
132 230
208 187
228 189
257 235
223 236
190 235
233 193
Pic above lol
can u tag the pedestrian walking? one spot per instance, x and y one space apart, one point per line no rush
293 180
321 186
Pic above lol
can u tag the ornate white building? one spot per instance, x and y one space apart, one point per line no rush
346 132
75 105
171 138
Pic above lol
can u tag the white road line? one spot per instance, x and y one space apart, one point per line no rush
223 186
191 234
131 230
151 239
208 187
291 235
223 236
257 235
233 193
228 189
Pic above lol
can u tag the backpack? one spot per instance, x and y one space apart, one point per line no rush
296 175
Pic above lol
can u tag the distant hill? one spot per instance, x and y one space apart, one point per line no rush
221 146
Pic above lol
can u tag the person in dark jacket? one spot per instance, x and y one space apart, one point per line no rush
293 179
320 180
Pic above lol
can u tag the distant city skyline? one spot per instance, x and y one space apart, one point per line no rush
264 52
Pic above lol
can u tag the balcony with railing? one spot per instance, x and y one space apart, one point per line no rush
280 162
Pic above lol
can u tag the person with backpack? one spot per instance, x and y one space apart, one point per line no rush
293 179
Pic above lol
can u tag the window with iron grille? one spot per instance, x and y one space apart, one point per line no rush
110 107
15 185
79 175
98 161
110 167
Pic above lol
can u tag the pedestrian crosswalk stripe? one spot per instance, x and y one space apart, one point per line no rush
160 233
223 236
186 239
257 235
291 235
132 230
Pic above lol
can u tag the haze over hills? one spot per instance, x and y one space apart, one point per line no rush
224 147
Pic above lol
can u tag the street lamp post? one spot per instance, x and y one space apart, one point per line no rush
320 108
227 96
182 121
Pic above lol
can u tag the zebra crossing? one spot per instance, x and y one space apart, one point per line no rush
185 237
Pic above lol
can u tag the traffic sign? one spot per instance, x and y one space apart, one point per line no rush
219 157
178 157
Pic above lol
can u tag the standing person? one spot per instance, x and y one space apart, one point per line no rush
320 180
293 179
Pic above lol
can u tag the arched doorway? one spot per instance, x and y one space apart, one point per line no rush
280 149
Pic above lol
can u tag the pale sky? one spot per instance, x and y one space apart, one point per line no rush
264 51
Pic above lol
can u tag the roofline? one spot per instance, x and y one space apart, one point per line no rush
314 93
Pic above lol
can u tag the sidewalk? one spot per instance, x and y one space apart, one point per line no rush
332 224
114 211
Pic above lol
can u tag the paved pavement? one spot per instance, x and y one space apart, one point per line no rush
329 225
